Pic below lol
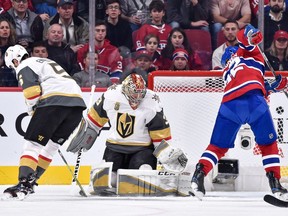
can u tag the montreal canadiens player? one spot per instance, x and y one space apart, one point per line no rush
243 102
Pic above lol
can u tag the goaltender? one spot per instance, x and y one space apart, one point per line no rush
139 129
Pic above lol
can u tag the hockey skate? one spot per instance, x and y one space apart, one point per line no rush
274 184
197 184
21 190
276 188
280 194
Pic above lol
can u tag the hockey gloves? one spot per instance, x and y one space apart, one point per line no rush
172 159
254 36
84 137
229 51
277 85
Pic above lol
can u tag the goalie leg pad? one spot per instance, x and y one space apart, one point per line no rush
84 138
146 183
184 183
100 178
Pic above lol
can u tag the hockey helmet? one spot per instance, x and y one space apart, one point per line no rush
134 89
229 51
15 52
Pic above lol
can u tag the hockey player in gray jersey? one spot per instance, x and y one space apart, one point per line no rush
139 129
54 100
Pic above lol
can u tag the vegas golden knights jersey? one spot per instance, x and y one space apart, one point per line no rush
131 130
46 83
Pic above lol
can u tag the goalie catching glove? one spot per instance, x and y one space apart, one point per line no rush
84 138
172 159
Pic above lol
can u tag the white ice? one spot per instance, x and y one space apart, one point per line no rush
57 200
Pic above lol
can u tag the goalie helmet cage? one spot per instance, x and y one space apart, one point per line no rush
191 100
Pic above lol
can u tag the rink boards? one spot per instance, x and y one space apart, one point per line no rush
191 117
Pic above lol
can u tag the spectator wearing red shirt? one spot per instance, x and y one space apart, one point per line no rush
155 26
110 61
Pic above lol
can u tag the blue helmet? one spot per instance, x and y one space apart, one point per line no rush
229 51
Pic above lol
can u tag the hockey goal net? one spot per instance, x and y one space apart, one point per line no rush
191 100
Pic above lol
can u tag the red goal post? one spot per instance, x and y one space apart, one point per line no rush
191 100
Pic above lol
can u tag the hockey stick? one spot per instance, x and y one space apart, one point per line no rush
270 67
275 201
77 165
82 191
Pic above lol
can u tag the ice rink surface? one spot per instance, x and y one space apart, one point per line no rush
57 200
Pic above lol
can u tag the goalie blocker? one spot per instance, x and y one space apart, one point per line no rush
84 137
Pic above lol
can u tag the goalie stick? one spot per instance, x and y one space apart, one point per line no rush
82 191
270 67
275 201
77 165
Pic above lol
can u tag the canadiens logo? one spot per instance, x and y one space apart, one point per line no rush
125 124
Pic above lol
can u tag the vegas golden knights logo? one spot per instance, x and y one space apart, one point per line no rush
125 124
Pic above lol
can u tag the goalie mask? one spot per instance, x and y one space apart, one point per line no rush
13 53
134 89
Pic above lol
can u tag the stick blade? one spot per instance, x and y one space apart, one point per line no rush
275 202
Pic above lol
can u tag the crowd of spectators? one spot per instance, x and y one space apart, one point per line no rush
135 35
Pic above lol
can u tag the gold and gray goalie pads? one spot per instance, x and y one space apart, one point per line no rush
134 182
172 159
84 137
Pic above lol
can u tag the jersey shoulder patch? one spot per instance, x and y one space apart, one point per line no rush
152 101
114 93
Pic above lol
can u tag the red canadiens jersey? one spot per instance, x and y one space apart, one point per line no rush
110 61
161 31
244 71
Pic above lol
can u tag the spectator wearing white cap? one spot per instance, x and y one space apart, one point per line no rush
277 53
